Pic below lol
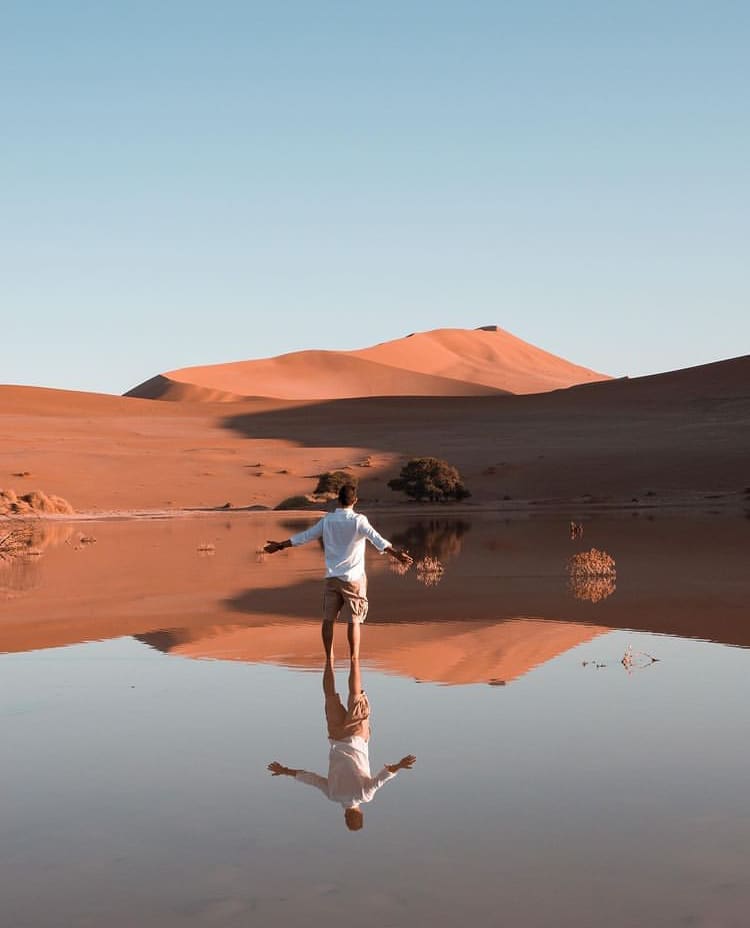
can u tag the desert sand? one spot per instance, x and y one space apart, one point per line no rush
675 438
442 362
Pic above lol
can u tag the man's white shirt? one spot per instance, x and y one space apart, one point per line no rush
344 533
349 780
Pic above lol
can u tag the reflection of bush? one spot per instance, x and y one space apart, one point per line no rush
438 538
20 552
430 571
592 575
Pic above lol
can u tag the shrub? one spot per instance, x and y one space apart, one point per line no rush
32 503
332 480
430 478
298 502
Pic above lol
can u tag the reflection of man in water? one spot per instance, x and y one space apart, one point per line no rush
344 533
349 780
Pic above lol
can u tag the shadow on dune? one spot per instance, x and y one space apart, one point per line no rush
599 437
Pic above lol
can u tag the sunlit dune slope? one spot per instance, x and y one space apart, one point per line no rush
489 356
444 362
302 375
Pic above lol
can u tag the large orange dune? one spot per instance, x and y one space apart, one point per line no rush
443 362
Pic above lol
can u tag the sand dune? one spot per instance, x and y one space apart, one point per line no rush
489 356
302 375
678 435
444 362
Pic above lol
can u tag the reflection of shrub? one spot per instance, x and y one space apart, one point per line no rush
592 575
332 481
430 571
439 538
431 479
20 552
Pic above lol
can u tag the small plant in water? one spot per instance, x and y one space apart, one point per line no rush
591 575
576 531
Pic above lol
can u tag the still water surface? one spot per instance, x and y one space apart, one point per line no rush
554 785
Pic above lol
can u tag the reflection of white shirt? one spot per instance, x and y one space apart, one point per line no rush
349 781
344 533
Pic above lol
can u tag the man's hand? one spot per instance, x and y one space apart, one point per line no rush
271 547
406 763
279 770
400 555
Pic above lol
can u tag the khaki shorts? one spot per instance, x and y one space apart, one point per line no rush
352 722
350 593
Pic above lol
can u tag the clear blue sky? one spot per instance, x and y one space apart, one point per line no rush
187 183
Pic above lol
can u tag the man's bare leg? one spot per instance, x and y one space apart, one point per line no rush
353 634
326 631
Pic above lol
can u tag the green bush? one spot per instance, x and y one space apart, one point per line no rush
332 481
430 478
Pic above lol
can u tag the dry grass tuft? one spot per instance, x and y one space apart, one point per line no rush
32 503
592 575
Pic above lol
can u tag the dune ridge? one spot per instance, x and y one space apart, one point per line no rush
303 375
442 362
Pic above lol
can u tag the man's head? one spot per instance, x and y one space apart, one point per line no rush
348 494
354 818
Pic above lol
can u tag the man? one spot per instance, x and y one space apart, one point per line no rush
344 533
349 781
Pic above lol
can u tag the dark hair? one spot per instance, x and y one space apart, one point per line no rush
354 818
347 494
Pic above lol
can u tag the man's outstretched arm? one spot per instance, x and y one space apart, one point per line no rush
303 776
279 770
315 531
406 763
271 547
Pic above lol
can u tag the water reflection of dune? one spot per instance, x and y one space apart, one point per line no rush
439 652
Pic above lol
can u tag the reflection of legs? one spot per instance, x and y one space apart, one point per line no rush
355 678
326 631
353 630
329 682
335 710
